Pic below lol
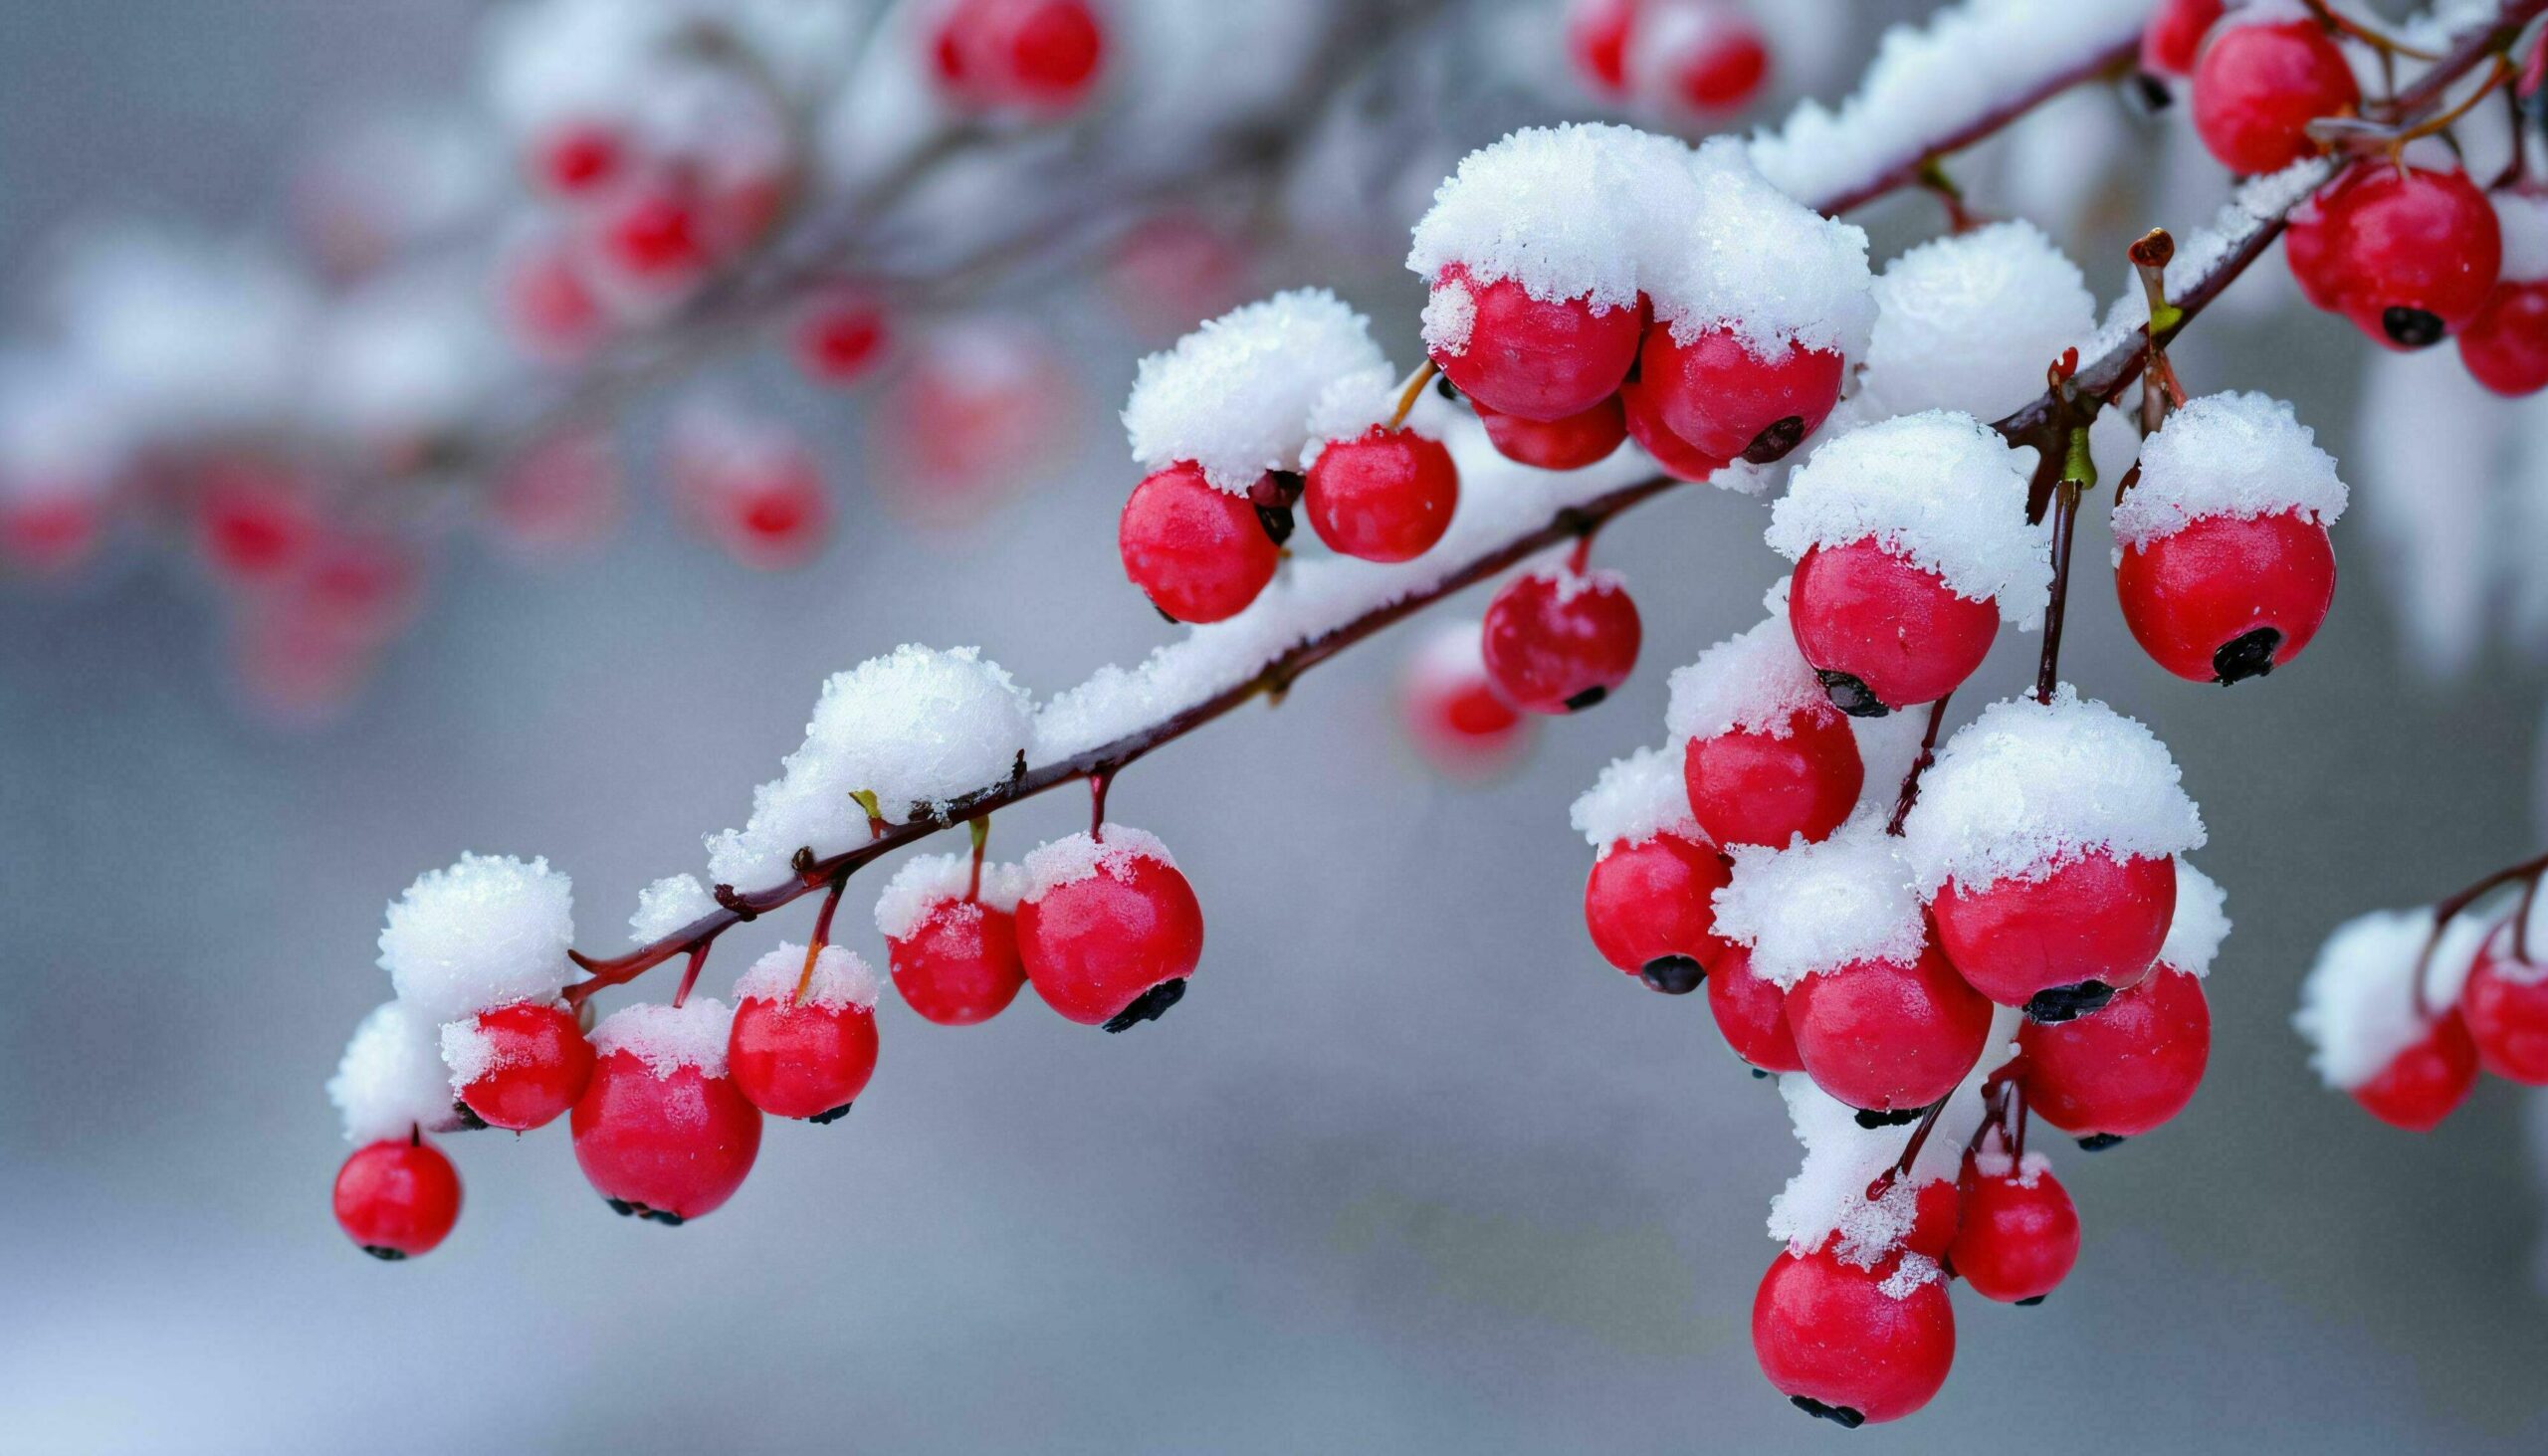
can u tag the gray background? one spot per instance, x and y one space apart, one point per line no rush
1409 1170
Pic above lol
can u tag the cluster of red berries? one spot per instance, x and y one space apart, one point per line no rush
2407 1009
1037 58
1699 60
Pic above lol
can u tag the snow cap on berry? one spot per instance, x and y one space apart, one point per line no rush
1812 907
486 932
2201 923
1567 212
2239 455
2523 220
669 1038
1755 681
1972 321
1075 857
1356 404
925 881
1636 798
1941 490
392 1078
841 978
1236 396
668 904
2358 1002
467 1053
2027 787
1756 262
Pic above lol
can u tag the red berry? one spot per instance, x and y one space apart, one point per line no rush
2016 1234
1107 938
255 520
1572 443
1201 555
1888 1038
802 1059
1650 909
1719 65
1751 1012
1597 41
397 1199
2410 255
2175 32
1385 497
669 1145
2223 599
2125 1069
2505 347
1531 357
1897 631
1458 721
773 515
1040 56
840 339
1937 1210
2257 86
1849 1344
2093 919
521 1066
2505 1008
1756 788
551 306
1559 641
1678 458
959 964
655 235
2422 1084
1726 401
579 157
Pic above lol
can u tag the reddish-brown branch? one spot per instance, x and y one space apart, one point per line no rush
1910 795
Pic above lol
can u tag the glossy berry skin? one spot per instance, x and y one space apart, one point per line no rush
670 1147
1561 642
1094 946
2410 255
2223 599
1198 553
2505 347
1042 57
2505 1008
1937 1210
2092 919
1596 42
959 967
801 1060
1678 458
397 1198
1752 788
2427 1081
2124 1069
2016 1234
1888 1038
1895 631
840 341
1752 1013
1825 1331
538 1069
1572 443
1726 401
2175 34
1534 359
1650 901
1387 495
2257 86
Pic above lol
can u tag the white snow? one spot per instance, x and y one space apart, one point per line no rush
2202 922
2523 217
2357 1005
1636 798
1755 681
928 880
2239 455
467 1053
668 904
486 932
1814 908
1972 321
1887 748
1076 857
392 1078
668 1038
841 978
1567 212
1236 395
1752 260
1909 1275
2027 787
1939 489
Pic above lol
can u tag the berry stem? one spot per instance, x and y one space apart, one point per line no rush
821 937
2078 474
2451 907
1911 781
981 832
2385 45
1100 779
1911 1147
1414 391
690 972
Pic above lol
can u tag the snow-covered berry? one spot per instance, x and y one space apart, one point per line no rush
1768 757
1853 1345
1649 901
951 937
2405 1058
1561 640
802 1042
486 932
662 1132
518 1067
1199 554
1108 927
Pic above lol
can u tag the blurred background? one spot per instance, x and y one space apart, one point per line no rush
1409 1170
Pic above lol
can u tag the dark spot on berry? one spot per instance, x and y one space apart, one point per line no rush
1149 1005
1871 1120
2149 95
622 1206
1165 616
2413 328
825 1120
1673 975
1759 1075
384 1255
1775 442
1277 521
470 1121
1586 699
2028 1304
2249 655
2057 1005
1850 696
2100 1142
668 1220
1839 1415
1443 387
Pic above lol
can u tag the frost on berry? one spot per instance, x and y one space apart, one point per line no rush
1236 396
841 980
392 1080
2357 1004
1635 800
2199 925
925 882
1969 323
1753 261
665 1039
1812 907
2235 455
1572 212
1754 682
486 932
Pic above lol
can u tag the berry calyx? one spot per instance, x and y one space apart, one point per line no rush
1751 787
2505 1008
1678 458
2409 254
518 1067
803 1054
2424 1083
1529 357
1888 1038
1651 902
840 339
2124 1069
1561 641
2505 346
1572 443
2093 924
1751 1014
2170 41
397 1198
2017 1233
1881 632
1725 400
958 965
1106 921
1201 555
2223 599
1387 495
2257 86
661 1132
1853 1345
